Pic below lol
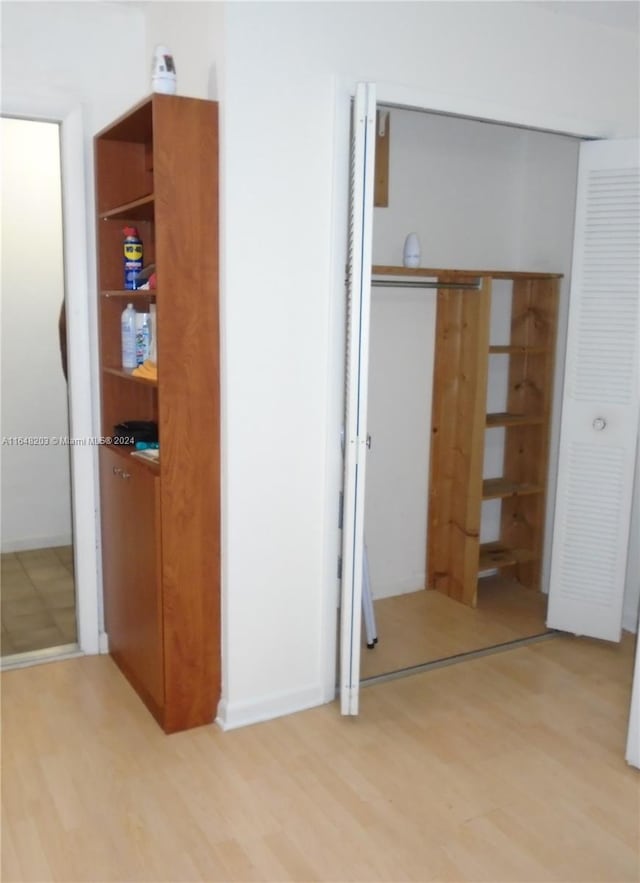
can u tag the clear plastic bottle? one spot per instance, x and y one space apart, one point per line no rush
128 329
143 337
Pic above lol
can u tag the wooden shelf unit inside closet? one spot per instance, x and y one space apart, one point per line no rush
460 423
157 169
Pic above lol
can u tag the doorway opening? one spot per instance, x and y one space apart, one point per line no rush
495 199
38 582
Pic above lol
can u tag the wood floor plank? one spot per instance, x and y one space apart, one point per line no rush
425 626
505 768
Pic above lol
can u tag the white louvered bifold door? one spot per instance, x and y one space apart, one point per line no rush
600 407
363 138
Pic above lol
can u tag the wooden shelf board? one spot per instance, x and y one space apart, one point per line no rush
494 555
504 419
138 292
518 350
139 209
494 488
126 375
382 270
125 452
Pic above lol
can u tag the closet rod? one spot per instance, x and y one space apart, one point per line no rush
419 283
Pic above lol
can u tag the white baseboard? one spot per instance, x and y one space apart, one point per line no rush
103 642
232 715
24 545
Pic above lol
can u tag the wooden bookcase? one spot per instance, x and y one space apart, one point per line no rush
460 422
157 169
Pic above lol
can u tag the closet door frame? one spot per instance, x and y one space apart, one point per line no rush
355 438
411 98
59 109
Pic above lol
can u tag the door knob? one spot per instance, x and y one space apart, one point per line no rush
599 424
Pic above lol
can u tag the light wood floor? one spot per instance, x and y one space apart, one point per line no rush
505 768
424 626
38 600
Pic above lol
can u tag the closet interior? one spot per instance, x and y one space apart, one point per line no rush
465 361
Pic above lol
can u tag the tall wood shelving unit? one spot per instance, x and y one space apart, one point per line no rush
460 422
157 168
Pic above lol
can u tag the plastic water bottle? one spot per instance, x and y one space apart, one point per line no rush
143 337
128 329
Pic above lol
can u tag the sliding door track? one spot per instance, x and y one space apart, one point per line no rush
460 657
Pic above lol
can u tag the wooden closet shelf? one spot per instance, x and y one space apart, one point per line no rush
453 274
137 210
494 488
464 368
504 419
518 350
499 555
127 375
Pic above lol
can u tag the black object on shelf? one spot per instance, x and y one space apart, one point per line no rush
132 431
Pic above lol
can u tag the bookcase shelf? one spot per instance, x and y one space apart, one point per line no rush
136 210
128 376
157 168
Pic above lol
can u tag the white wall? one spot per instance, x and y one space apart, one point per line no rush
458 184
285 67
194 32
86 57
93 53
36 494
283 88
399 419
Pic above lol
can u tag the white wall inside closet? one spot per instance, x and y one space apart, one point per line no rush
479 196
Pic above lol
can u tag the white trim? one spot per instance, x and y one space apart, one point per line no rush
355 419
335 387
633 735
240 714
84 490
47 654
418 99
488 111
68 114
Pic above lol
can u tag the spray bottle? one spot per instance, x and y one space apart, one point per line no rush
132 257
